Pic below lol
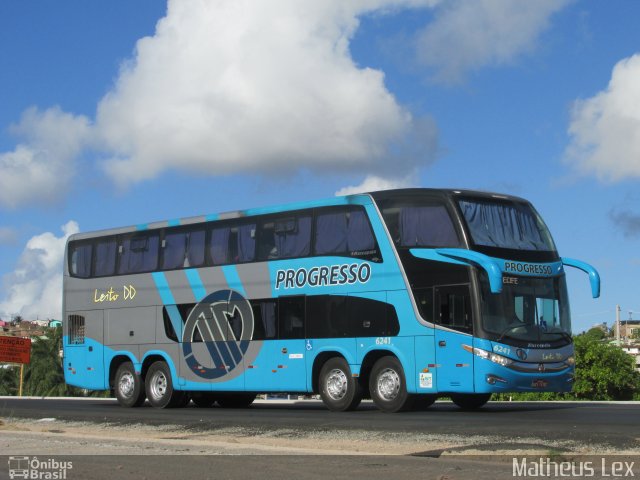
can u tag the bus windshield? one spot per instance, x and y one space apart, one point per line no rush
506 225
527 310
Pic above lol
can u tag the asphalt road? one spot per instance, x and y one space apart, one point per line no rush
614 426
507 427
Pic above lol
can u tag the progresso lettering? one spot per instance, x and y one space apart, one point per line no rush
346 274
528 268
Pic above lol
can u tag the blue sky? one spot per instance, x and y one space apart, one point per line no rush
117 113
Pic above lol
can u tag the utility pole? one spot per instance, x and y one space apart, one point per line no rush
618 324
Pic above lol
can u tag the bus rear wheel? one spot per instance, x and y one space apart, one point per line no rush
339 391
470 401
159 387
235 400
388 387
128 387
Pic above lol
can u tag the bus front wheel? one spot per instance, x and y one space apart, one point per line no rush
159 387
470 401
388 387
128 386
339 391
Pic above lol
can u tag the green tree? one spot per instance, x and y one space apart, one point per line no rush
9 379
596 333
603 371
44 375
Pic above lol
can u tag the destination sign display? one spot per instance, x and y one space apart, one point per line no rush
532 269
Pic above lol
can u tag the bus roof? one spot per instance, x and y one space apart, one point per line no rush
356 199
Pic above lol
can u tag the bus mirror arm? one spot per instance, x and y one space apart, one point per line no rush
594 276
465 257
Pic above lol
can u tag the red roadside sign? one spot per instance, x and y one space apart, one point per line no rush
15 350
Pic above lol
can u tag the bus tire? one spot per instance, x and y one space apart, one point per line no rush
423 401
235 400
470 401
339 391
128 386
203 399
159 387
388 387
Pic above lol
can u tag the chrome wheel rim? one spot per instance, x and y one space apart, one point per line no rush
336 384
127 384
158 385
388 384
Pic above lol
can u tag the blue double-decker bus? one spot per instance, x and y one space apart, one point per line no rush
400 296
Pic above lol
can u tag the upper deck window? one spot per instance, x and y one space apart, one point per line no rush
81 260
232 243
105 257
506 225
343 232
183 249
420 224
139 254
285 237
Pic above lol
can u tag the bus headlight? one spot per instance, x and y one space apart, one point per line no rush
494 357
571 360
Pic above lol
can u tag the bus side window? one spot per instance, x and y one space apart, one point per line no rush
424 299
428 225
81 260
327 316
454 308
219 246
173 252
195 249
139 254
344 231
285 237
105 257
265 314
246 243
367 317
291 316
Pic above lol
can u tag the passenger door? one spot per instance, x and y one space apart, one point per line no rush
454 317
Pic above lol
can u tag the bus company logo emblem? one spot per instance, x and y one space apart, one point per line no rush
223 321
539 383
522 355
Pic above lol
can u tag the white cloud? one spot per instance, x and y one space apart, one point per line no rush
230 86
373 183
41 168
469 34
244 86
605 129
34 288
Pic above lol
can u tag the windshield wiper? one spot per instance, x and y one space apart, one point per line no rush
564 335
508 329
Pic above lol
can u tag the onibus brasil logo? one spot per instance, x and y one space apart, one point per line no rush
34 468
223 322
